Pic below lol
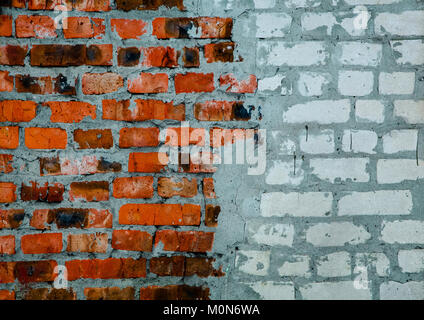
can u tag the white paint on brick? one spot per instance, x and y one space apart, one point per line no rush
342 169
298 266
408 51
271 234
383 202
409 110
371 260
312 21
270 290
398 170
253 262
272 25
270 83
360 53
411 261
342 290
285 172
336 234
407 231
312 83
356 83
302 3
369 111
396 83
411 290
322 112
407 23
357 141
322 143
370 2
400 140
310 204
264 4
279 53
335 264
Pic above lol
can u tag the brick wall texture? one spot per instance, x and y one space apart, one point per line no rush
102 101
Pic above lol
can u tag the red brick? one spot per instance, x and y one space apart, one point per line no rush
101 83
45 138
112 268
170 187
147 162
56 55
7 272
129 57
94 5
93 138
7 245
63 86
89 191
208 188
209 27
184 241
219 52
168 266
138 137
201 267
99 55
148 5
6 161
201 162
11 219
184 136
50 294
17 110
70 111
163 57
41 243
221 111
220 137
7 192
7 295
133 187
132 240
6 26
47 4
35 26
110 293
13 55
211 215
143 110
45 193
149 83
191 57
9 137
248 85
35 271
160 214
6 81
35 85
174 292
194 82
129 29
92 243
82 27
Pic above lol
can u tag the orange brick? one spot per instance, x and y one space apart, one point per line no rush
147 162
219 52
82 27
131 240
162 57
6 81
101 83
138 137
17 110
110 293
221 111
13 55
148 5
70 111
7 192
41 243
91 6
184 136
187 241
248 85
128 29
7 295
9 137
12 218
194 82
35 26
133 187
93 138
93 242
45 138
6 163
89 191
6 25
35 85
170 187
149 83
7 245
208 188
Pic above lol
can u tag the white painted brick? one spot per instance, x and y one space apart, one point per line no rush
272 25
383 202
370 2
298 266
398 170
400 140
407 231
269 290
411 261
322 143
336 264
313 21
369 111
412 290
371 260
340 169
360 53
279 53
271 83
397 83
408 51
264 4
342 290
395 24
336 234
271 234
409 110
285 172
357 141
312 83
253 262
323 112
356 83
292 4
310 204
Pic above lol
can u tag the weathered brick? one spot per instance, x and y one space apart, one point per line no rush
6 25
181 241
110 293
7 244
131 240
129 57
41 243
93 138
221 111
9 137
148 5
93 242
101 83
219 52
50 294
44 193
6 81
45 138
6 161
128 29
7 192
35 85
138 137
191 57
233 85
89 191
170 187
147 162
13 55
194 82
83 27
70 111
209 188
174 292
17 110
163 57
149 83
211 215
35 26
133 187
11 219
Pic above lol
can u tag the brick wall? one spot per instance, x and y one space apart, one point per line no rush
96 176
